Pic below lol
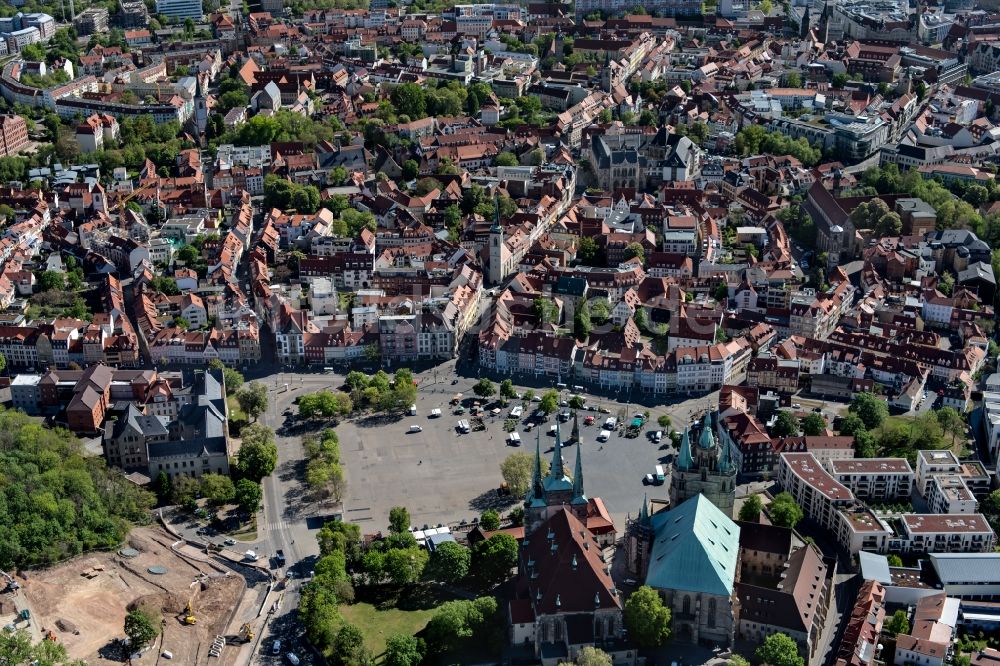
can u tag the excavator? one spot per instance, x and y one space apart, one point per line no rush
245 636
187 617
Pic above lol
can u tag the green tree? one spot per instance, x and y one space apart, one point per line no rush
252 399
586 252
899 623
784 511
750 511
507 390
399 519
494 558
411 98
233 379
217 488
258 454
635 250
991 505
484 388
490 520
517 469
663 421
550 402
646 618
405 565
16 649
449 563
871 409
402 650
851 425
248 495
951 422
141 627
591 656
793 80
813 424
546 311
894 560
839 80
50 280
349 647
779 650
785 424
738 660
410 169
582 325
506 159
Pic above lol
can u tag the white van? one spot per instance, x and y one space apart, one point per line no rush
516 412
604 436
514 439
416 428
561 385
660 474
413 410
611 423
276 647
657 436
463 426
435 413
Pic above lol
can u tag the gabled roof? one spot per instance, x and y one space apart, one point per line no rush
563 570
695 549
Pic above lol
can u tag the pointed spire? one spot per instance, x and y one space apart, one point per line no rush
496 215
706 440
684 459
556 470
644 511
537 489
725 460
578 496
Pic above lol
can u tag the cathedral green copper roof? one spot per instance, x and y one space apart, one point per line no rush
695 549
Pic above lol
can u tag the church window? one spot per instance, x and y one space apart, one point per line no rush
711 613
686 607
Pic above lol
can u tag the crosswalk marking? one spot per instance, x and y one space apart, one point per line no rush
268 525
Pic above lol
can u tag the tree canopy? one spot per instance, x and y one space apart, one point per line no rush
647 618
779 650
784 510
56 500
517 469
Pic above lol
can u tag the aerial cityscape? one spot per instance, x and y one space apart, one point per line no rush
406 332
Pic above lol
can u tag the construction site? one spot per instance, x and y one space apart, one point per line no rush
210 609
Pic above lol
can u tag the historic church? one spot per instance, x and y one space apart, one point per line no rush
564 598
689 552
705 468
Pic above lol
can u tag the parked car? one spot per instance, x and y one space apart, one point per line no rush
416 428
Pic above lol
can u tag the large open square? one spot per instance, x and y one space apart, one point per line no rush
443 476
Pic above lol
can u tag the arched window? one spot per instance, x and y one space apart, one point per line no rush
686 608
711 613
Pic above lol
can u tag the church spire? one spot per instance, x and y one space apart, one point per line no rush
578 496
684 459
496 215
537 489
557 471
707 439
644 511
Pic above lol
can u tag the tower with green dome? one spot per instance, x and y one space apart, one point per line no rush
555 490
704 467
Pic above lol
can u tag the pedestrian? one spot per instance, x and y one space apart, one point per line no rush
420 462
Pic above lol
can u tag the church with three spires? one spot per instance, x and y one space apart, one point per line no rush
564 598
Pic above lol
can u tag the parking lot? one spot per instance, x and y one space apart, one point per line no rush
443 476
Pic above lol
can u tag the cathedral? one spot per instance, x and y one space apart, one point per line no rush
705 468
688 553
556 490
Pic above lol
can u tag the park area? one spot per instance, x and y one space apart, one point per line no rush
83 601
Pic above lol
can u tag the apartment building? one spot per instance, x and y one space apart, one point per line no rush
936 533
180 9
949 494
874 479
13 135
937 463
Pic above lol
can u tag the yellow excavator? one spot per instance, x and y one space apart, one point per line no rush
188 614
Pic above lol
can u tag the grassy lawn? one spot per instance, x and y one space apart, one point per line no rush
380 612
377 625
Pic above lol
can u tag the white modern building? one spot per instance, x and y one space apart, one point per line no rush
874 479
